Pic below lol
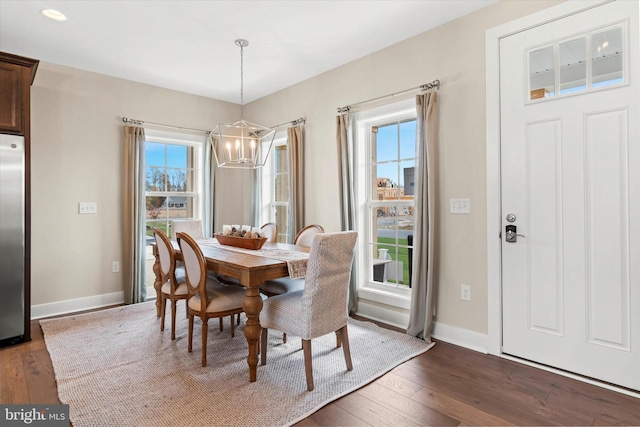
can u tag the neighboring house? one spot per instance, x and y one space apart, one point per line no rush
175 202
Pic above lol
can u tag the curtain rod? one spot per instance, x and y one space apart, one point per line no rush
141 123
427 86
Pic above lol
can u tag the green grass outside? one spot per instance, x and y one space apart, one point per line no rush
403 254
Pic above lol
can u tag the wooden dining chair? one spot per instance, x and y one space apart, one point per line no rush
204 302
174 286
270 230
321 307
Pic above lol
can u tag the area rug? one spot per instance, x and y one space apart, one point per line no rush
116 368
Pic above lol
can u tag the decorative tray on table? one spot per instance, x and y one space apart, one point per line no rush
241 242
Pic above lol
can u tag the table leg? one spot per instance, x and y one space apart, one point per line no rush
157 284
252 306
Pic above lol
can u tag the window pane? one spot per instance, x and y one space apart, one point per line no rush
573 65
386 143
281 193
179 207
160 224
280 159
177 156
179 180
156 207
386 185
281 222
156 179
408 140
154 154
541 73
607 57
407 183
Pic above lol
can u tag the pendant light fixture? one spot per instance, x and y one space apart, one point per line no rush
241 144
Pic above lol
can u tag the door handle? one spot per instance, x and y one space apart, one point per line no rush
511 234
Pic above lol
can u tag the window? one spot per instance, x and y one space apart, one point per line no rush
275 187
587 62
173 180
386 159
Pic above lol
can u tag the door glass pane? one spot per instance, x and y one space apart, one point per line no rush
607 57
541 73
573 65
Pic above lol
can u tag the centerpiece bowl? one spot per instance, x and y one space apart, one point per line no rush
241 242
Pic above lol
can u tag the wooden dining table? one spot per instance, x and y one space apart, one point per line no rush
251 271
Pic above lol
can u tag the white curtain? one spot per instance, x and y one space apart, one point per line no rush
425 227
347 192
133 221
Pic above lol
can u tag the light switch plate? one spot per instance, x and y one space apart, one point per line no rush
460 206
87 208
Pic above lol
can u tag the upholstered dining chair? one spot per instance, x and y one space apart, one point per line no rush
270 230
284 285
206 303
193 227
321 307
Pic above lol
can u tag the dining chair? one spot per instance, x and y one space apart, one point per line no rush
284 285
193 227
270 230
204 302
174 286
321 307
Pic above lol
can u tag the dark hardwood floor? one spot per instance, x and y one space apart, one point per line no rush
448 385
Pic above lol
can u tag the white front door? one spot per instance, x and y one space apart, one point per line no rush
570 191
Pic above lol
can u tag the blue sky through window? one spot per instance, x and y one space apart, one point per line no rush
172 156
387 150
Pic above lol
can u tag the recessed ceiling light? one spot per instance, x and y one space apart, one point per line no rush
54 14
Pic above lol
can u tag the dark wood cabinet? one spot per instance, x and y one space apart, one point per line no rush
16 76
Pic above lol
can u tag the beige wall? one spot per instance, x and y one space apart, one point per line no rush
455 54
76 157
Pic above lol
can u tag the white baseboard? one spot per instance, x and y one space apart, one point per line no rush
73 305
460 337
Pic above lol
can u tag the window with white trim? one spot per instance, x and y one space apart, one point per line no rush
174 179
275 187
386 159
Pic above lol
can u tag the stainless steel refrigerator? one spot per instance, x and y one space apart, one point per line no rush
12 239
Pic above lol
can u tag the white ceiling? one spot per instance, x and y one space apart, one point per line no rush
189 45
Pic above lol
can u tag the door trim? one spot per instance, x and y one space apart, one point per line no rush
492 56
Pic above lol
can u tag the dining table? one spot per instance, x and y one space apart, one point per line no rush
251 268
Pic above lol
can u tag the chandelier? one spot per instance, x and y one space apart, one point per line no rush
241 144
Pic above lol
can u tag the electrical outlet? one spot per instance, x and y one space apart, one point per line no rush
87 207
115 267
465 292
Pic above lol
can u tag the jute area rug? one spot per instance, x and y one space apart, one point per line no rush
116 368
